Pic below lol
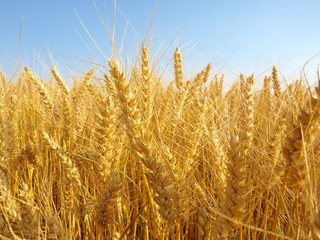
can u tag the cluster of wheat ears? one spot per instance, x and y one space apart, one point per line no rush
120 155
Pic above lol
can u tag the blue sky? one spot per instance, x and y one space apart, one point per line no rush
246 36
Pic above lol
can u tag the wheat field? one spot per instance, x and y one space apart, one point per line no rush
121 155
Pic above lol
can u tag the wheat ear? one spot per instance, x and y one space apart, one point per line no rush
276 83
110 85
178 70
146 85
88 83
9 211
157 174
30 214
66 106
72 180
62 84
207 73
204 223
41 88
297 145
105 209
247 116
2 128
234 204
4 80
105 135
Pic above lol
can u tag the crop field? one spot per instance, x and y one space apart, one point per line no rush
119 154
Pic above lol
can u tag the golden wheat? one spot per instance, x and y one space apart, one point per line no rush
131 157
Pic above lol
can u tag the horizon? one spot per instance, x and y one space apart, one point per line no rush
248 38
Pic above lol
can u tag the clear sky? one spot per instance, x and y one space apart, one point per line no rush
248 35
